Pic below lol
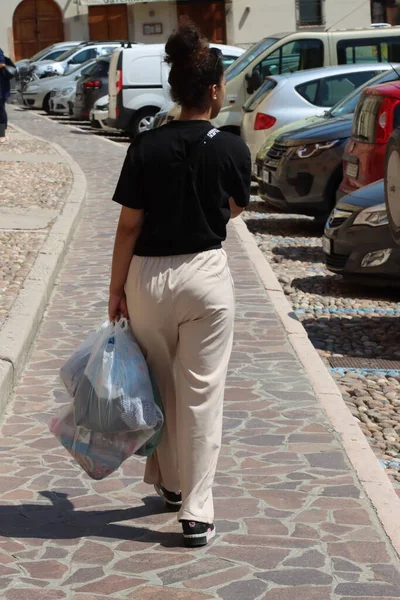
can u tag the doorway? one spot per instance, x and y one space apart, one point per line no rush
109 22
36 25
208 16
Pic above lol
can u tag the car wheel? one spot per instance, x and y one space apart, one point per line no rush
142 121
392 184
46 104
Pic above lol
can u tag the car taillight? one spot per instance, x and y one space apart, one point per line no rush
263 122
385 120
92 85
119 82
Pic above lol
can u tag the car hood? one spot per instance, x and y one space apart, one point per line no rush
365 197
294 125
324 130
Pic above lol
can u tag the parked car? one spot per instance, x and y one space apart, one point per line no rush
90 87
357 241
62 101
300 169
76 56
99 113
287 98
139 85
37 94
50 53
377 114
299 51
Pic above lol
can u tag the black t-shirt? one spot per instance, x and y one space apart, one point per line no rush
184 186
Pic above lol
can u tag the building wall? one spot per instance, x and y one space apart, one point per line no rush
153 12
347 14
75 22
250 20
247 20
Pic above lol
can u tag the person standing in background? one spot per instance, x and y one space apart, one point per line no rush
4 94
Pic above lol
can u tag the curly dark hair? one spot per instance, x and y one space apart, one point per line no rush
194 67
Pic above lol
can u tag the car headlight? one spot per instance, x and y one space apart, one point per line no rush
32 88
376 216
67 91
310 150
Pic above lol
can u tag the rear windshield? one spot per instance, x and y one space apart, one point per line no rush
245 59
260 95
364 123
366 115
348 105
99 69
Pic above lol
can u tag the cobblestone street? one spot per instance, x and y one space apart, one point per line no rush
293 521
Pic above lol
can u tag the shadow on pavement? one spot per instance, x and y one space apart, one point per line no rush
62 522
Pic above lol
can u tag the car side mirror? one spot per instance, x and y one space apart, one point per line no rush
253 82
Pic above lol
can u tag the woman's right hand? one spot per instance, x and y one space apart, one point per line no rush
117 306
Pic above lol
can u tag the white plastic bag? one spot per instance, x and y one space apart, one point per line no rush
99 454
115 392
72 371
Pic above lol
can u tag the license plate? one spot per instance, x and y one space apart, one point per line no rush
352 170
267 176
326 245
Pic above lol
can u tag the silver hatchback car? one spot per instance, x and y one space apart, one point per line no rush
284 99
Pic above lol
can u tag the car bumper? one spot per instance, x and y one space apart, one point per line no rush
32 100
59 105
349 247
301 185
98 118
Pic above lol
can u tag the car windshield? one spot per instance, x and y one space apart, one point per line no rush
245 59
83 68
40 54
67 54
348 104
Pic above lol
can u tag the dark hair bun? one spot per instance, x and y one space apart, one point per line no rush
194 68
184 45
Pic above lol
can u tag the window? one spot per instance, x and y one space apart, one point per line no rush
365 118
349 104
261 94
293 56
55 54
368 50
105 50
247 57
99 69
328 91
309 12
83 56
227 61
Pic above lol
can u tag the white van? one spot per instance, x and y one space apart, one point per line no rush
291 52
138 84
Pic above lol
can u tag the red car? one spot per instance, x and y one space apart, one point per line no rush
377 114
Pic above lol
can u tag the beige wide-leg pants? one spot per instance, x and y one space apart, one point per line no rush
182 314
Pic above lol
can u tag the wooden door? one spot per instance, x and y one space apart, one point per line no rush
36 25
108 22
208 16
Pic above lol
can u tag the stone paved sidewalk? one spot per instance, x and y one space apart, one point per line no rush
34 183
292 520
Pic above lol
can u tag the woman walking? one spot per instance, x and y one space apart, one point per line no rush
4 94
179 186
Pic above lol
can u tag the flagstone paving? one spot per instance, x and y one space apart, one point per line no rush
292 519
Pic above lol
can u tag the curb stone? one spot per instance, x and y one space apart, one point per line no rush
373 479
19 330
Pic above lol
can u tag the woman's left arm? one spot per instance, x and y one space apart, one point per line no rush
128 230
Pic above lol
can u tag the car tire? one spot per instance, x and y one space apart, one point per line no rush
392 184
46 104
142 121
331 190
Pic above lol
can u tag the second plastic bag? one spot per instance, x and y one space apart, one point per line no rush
115 393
